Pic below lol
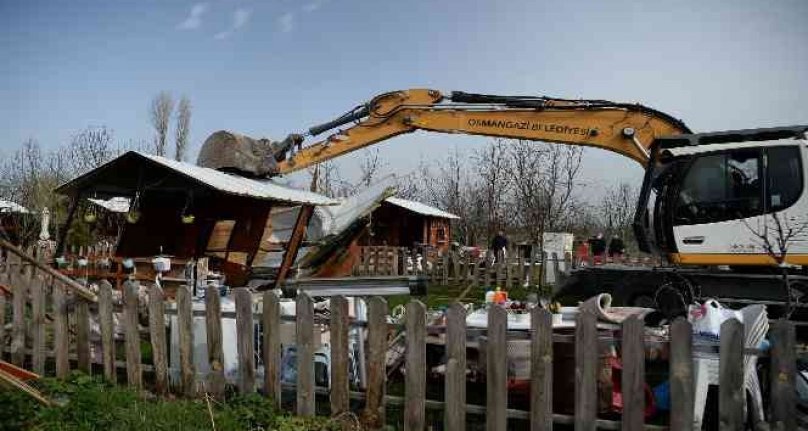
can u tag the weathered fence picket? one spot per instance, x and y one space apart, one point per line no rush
82 316
586 371
245 331
541 370
157 336
38 325
215 384
681 375
20 292
60 333
455 418
339 356
186 339
134 372
304 328
783 377
106 325
633 374
374 414
730 391
415 363
272 347
496 359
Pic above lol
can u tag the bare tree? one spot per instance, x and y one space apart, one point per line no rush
617 209
161 108
183 128
493 167
370 166
90 148
776 234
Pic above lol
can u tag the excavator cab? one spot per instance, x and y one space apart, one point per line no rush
727 198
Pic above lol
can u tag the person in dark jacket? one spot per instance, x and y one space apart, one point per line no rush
597 245
498 245
616 247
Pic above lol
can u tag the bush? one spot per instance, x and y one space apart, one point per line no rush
85 403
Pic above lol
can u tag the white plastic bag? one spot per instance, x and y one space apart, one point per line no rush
707 318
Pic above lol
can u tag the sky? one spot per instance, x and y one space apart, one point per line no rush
266 68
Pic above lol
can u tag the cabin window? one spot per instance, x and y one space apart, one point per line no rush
720 187
783 177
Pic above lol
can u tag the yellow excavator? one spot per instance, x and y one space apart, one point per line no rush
711 201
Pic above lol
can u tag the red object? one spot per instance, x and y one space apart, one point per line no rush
20 373
617 392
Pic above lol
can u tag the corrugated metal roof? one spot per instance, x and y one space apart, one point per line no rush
12 207
420 208
237 185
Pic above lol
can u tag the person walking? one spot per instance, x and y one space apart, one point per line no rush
616 247
498 245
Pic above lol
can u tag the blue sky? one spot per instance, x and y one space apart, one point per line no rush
270 67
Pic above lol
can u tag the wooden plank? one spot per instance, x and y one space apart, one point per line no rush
82 315
541 370
586 372
496 375
134 373
633 375
374 414
213 330
61 338
293 245
305 355
38 325
445 269
272 347
245 333
106 325
186 338
731 376
157 336
487 273
681 372
508 272
415 363
455 395
783 376
339 356
19 284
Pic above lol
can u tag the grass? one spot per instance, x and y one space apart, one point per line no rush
86 403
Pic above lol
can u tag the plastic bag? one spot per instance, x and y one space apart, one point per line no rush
707 318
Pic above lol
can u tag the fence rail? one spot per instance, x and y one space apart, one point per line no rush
68 315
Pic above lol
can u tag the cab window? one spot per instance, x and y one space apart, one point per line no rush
783 177
719 187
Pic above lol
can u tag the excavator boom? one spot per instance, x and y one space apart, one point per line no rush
627 129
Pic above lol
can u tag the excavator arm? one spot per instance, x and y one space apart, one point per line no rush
627 129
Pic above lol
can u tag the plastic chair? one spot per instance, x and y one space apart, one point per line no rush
706 365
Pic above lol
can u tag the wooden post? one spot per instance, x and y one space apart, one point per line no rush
586 371
681 372
487 273
508 272
445 274
20 292
245 333
455 414
633 376
731 376
783 376
134 374
339 356
83 334
293 245
541 370
38 325
213 332
186 338
272 347
497 370
415 361
105 322
157 336
374 417
305 355
60 335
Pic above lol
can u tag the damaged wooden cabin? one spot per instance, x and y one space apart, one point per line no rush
188 212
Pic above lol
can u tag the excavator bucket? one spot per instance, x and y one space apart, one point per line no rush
241 154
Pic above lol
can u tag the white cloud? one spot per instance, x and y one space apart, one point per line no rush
311 7
194 19
286 22
240 18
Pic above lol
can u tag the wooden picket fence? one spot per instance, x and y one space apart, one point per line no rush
61 308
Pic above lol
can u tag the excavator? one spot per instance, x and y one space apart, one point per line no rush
723 208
